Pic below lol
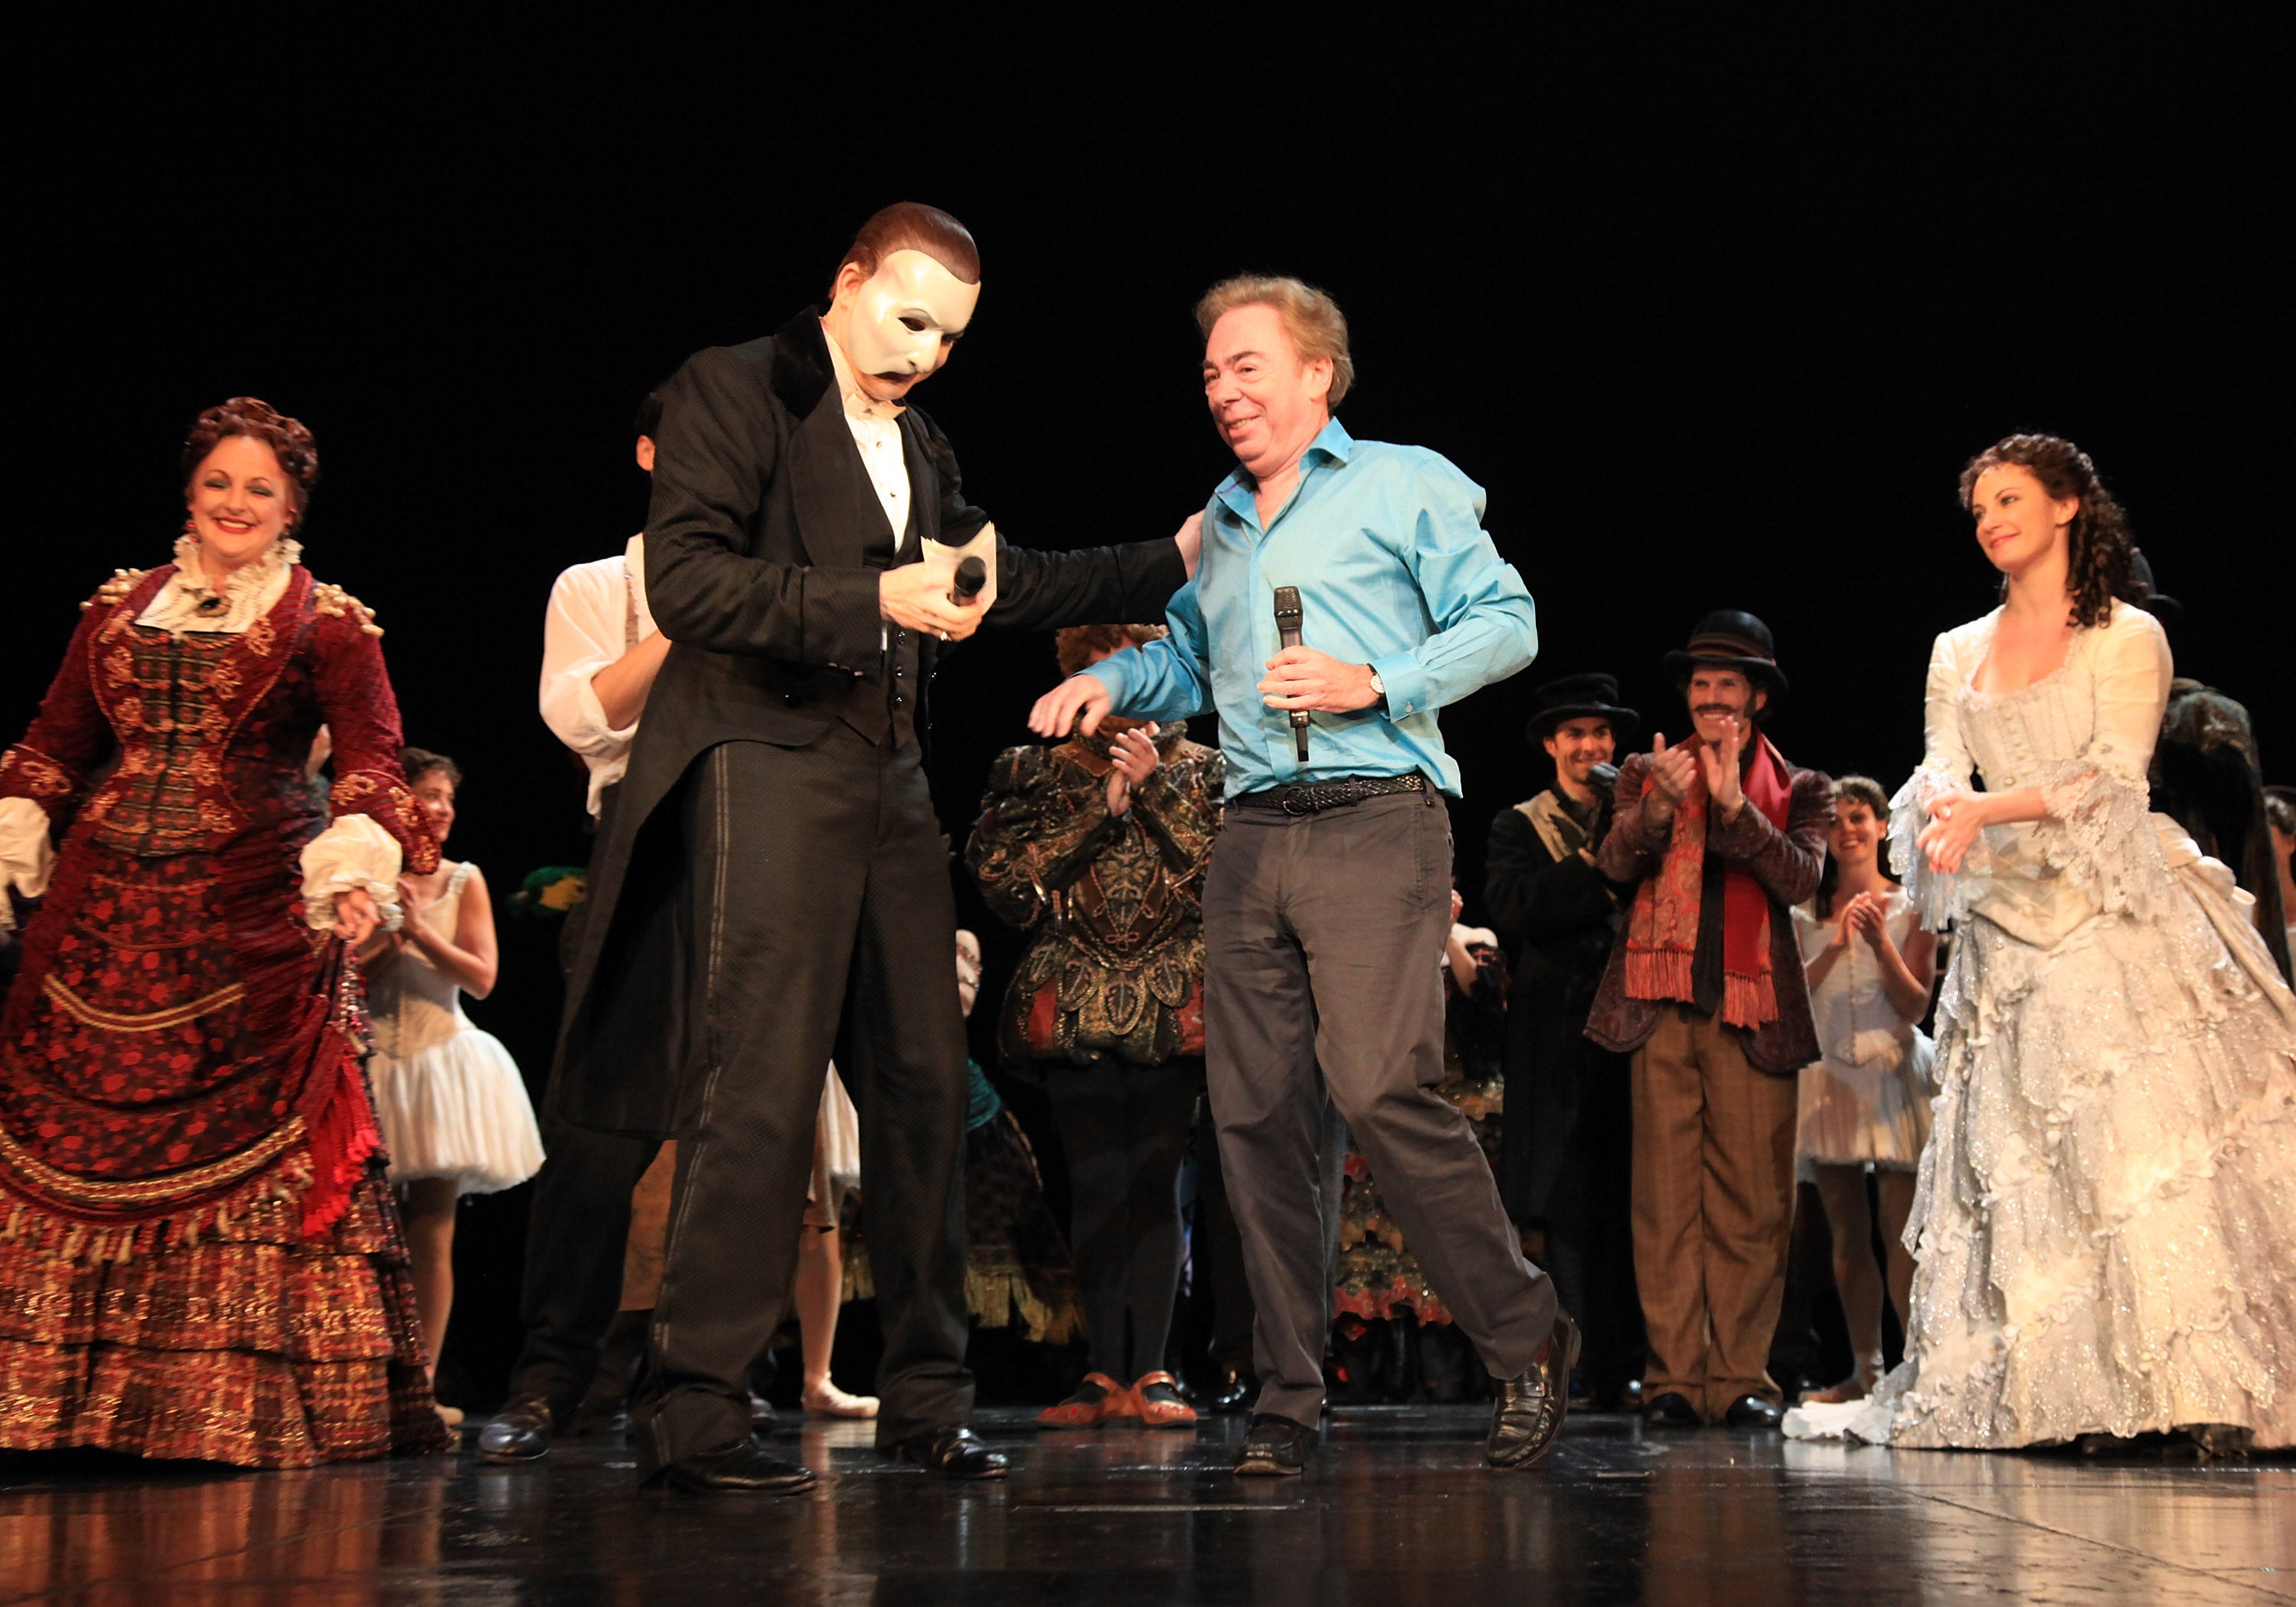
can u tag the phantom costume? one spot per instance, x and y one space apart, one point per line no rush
773 886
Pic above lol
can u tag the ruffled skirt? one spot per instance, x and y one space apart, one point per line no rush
243 1343
1874 1112
457 1109
2105 1223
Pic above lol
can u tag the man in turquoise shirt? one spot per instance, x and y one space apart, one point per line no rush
1328 898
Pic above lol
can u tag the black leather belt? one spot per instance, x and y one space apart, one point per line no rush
1312 797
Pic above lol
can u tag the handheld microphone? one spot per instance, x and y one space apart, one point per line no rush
1287 632
971 575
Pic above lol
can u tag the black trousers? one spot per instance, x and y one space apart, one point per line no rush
822 923
1323 935
576 1228
1123 1131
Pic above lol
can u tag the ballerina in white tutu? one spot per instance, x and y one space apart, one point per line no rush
452 1106
2105 1221
1864 1102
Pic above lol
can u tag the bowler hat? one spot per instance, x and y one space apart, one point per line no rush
1730 638
1583 697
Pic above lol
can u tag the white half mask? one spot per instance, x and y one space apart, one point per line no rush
900 313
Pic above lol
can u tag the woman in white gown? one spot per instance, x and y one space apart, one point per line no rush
451 1105
2105 1221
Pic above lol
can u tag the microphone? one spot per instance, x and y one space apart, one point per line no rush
971 575
1287 632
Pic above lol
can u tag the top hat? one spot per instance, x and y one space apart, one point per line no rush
1582 697
2157 603
1730 638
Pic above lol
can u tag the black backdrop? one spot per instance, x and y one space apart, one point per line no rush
1698 356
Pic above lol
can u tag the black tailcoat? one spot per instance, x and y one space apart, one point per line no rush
757 547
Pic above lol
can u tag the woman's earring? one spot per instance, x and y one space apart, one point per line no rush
191 525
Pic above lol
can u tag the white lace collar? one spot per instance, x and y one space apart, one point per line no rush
186 604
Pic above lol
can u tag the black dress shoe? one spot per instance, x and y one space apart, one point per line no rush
519 1433
740 1468
761 1414
1528 1412
953 1454
1228 1392
1753 1411
1671 1411
1274 1447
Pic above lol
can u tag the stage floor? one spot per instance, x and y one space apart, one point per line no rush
1398 1510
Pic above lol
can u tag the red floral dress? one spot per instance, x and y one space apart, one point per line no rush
198 1255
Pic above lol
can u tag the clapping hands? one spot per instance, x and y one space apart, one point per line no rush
1133 756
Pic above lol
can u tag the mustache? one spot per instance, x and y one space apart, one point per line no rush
1732 710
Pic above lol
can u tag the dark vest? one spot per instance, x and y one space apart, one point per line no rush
892 711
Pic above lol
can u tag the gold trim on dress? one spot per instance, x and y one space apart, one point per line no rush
113 1021
144 1190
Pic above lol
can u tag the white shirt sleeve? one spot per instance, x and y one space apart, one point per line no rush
583 632
26 857
353 852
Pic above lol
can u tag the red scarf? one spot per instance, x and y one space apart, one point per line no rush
1662 931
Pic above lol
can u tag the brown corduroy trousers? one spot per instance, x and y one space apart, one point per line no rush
1713 1205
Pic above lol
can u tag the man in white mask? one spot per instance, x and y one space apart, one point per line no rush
772 887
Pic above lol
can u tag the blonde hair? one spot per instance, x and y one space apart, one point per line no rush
1313 320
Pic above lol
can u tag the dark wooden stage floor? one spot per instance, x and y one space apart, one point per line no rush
1398 1512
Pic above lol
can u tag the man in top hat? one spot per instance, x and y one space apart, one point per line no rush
1718 837
1564 1146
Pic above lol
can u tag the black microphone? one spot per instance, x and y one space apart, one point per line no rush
971 575
1287 632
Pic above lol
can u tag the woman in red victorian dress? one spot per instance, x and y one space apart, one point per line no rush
198 1254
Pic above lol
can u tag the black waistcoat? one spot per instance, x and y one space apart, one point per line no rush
892 709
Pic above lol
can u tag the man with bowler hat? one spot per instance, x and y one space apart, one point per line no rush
1565 1147
1719 837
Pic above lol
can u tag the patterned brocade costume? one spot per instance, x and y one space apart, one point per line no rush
198 1257
1115 970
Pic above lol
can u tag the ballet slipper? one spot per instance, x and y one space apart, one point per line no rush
1098 1401
1856 1387
452 1416
825 1399
1157 1398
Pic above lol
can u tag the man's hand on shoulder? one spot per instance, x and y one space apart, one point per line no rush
914 596
1301 678
1055 713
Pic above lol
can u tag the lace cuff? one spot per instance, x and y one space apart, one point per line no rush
25 857
1937 897
355 852
2100 834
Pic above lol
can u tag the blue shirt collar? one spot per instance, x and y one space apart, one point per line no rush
1331 444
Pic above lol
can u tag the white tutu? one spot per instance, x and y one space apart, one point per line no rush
457 1109
448 1097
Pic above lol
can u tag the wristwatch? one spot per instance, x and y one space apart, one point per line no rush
1379 691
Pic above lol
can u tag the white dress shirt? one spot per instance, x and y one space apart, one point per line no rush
597 613
877 431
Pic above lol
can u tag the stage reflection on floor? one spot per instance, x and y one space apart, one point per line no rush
1397 1510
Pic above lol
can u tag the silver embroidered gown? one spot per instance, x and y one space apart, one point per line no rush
2105 1223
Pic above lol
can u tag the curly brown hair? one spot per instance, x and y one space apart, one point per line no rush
418 762
289 439
2102 560
1077 644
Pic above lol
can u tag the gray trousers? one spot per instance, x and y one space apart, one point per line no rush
1323 941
